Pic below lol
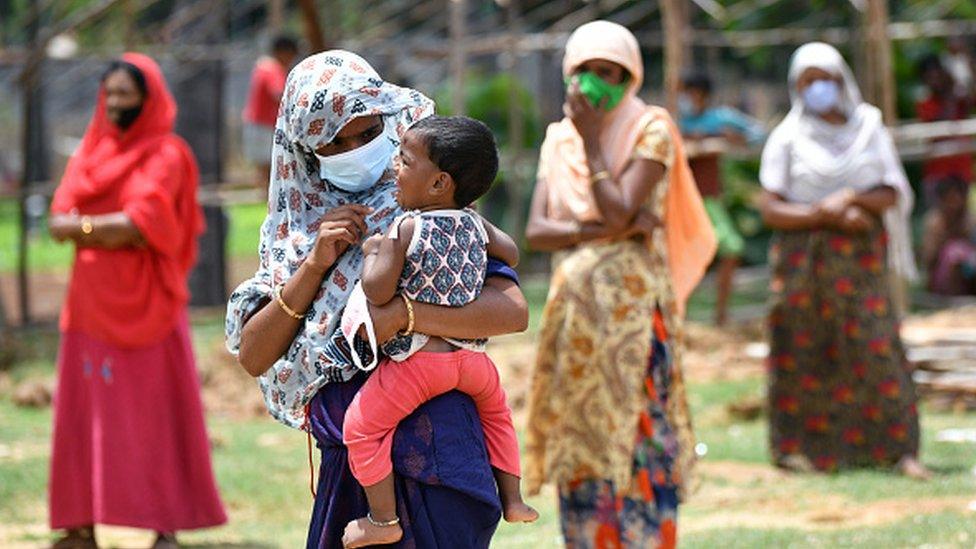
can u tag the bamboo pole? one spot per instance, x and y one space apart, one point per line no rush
276 16
458 11
884 78
516 124
313 29
29 81
129 15
675 27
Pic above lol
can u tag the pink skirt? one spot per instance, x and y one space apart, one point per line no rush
130 444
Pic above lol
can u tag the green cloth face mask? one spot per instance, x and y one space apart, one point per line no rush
596 89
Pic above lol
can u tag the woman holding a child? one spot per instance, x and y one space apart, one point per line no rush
332 186
615 199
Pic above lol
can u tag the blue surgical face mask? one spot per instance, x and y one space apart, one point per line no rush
359 169
821 96
685 105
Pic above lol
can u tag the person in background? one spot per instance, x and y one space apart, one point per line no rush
130 445
837 197
949 156
958 60
949 244
707 131
261 109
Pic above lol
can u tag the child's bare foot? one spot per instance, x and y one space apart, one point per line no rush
519 511
362 533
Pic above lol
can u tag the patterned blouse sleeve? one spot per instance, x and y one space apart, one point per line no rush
654 142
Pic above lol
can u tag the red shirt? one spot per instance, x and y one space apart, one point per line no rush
267 85
935 109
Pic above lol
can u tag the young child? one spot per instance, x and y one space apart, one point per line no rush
949 241
707 130
435 253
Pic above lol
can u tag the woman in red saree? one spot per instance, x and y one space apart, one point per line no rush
130 446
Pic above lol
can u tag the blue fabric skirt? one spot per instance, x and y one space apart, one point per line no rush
446 494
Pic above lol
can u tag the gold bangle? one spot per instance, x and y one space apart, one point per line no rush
410 317
599 175
577 231
86 225
284 306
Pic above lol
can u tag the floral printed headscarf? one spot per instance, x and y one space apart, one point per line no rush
322 94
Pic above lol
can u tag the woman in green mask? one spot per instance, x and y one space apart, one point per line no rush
608 421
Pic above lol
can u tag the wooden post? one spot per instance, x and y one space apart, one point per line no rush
675 29
313 30
880 50
276 16
516 126
458 9
129 14
32 165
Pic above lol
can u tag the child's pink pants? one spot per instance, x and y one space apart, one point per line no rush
397 388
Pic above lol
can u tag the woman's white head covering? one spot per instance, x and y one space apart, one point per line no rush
817 55
806 159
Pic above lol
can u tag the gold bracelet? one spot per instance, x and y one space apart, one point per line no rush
577 231
410 317
599 175
86 225
284 306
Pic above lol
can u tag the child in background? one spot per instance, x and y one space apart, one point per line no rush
707 130
949 243
435 253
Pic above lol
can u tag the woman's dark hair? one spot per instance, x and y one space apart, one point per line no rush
463 147
131 70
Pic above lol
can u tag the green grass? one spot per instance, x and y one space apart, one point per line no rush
263 474
935 530
45 254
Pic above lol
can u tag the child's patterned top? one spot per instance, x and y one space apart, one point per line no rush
445 265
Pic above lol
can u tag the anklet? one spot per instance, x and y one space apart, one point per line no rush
382 524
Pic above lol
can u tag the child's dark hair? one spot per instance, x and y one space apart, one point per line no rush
696 80
463 147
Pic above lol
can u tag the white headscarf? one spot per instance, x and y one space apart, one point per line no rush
806 159
322 94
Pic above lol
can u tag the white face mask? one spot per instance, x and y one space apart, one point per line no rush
360 168
821 95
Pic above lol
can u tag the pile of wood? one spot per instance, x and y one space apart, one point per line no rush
944 360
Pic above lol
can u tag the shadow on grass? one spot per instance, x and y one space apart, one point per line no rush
947 470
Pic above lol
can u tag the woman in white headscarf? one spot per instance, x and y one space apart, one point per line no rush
838 198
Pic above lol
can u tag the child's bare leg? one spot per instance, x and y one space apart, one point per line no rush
363 532
726 271
513 508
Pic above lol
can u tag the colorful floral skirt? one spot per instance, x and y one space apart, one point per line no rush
840 391
596 514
